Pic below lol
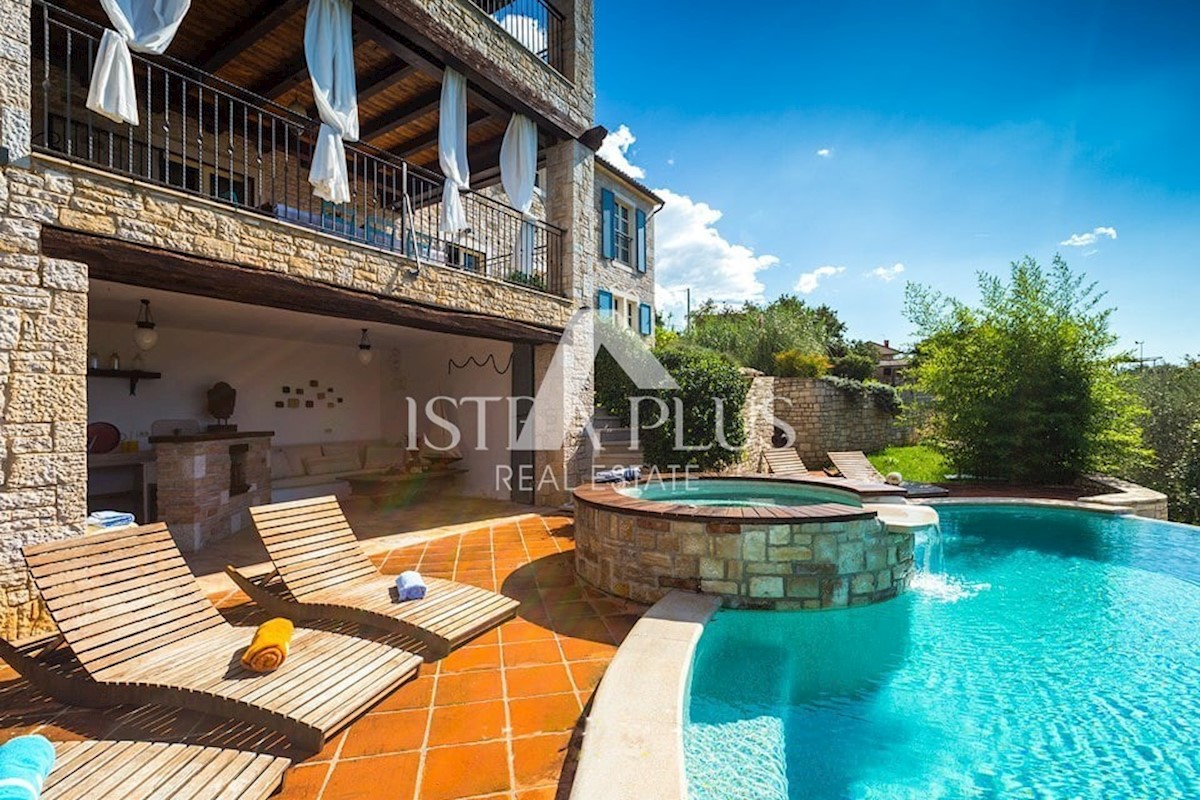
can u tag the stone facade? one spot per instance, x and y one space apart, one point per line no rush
827 419
758 421
43 301
43 358
623 280
791 565
195 495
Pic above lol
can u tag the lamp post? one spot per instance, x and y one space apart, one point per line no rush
1141 353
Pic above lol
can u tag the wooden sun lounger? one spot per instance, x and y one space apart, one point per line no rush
142 631
855 466
134 770
321 572
784 461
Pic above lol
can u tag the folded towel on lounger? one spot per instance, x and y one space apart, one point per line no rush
617 475
25 763
410 586
110 519
269 647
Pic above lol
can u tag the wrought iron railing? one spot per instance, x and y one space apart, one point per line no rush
534 23
202 135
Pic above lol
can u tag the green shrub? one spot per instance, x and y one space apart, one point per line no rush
753 334
886 398
704 376
797 364
855 366
526 279
1024 385
1184 479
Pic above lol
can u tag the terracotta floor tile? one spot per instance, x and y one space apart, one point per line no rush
585 650
548 714
487 637
471 658
389 732
533 681
570 610
364 778
587 674
544 793
414 694
529 654
303 782
464 724
329 750
520 630
456 688
591 628
538 760
465 771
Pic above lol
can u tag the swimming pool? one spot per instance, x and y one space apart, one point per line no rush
1038 653
739 493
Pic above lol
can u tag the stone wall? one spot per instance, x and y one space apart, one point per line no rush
43 359
795 565
826 419
194 492
758 421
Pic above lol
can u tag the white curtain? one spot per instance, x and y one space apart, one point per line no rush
329 51
452 150
147 26
518 171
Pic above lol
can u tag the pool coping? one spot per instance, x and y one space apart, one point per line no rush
1035 502
607 496
633 738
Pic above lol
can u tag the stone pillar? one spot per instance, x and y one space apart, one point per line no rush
571 206
43 353
579 39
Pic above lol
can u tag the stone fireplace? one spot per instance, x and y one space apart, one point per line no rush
207 481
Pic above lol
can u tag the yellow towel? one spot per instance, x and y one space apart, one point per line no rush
269 647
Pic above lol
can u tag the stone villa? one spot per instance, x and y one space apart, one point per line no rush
331 321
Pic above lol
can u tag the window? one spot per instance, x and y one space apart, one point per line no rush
624 240
464 257
629 309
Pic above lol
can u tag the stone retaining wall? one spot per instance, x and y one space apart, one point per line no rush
792 566
826 419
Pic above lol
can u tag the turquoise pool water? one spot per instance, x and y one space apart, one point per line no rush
718 492
1039 654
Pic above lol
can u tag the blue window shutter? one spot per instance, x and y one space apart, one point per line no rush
604 304
646 319
608 231
641 240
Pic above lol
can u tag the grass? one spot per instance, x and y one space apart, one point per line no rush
917 463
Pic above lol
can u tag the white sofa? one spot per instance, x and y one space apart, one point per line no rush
300 471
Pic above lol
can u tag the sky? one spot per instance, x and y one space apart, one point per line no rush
841 150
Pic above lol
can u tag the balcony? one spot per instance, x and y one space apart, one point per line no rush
204 134
536 24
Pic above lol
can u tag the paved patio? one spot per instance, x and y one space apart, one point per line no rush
493 720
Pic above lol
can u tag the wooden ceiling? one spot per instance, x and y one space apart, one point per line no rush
259 45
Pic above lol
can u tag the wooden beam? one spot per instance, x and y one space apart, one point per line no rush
270 15
151 267
414 146
410 112
384 79
282 82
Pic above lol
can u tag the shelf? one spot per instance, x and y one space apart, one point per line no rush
131 375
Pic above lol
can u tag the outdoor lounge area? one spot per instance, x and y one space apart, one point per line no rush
496 718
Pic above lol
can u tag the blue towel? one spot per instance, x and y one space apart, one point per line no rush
25 763
110 519
617 475
410 586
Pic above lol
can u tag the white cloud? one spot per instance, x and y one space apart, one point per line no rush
825 152
1088 239
691 253
887 274
526 30
615 150
809 281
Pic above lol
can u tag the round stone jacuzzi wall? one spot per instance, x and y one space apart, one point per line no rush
826 556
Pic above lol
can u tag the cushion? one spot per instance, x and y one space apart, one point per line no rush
384 457
343 451
331 465
282 465
300 453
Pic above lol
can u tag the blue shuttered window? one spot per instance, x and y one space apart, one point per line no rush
608 232
604 304
645 320
640 241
